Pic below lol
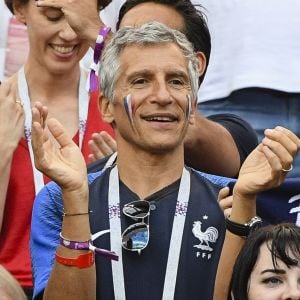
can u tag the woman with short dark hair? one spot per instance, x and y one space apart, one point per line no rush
268 266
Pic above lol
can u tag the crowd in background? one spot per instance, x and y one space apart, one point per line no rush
253 72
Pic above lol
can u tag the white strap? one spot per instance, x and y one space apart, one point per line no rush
176 235
115 234
110 161
24 95
83 106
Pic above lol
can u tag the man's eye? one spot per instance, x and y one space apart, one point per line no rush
139 81
272 281
177 82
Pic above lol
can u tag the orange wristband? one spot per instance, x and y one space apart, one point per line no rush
82 261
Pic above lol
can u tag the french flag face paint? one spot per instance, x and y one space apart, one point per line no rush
129 109
189 108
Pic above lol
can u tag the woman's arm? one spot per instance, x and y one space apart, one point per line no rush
11 130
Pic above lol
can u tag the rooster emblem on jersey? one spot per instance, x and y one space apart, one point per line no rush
210 235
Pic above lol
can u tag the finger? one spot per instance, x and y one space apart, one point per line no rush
37 113
39 137
226 202
285 137
59 133
102 145
96 151
224 192
283 152
92 158
43 113
227 212
110 141
275 164
48 3
290 134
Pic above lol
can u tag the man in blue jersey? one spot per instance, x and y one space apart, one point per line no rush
160 219
224 139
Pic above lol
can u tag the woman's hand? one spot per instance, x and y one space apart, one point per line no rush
12 118
82 16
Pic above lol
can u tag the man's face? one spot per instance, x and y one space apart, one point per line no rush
149 11
157 79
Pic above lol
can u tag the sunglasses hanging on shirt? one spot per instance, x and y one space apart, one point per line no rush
136 236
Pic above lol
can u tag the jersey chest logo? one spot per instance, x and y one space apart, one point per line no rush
206 237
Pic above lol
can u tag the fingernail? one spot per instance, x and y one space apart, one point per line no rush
268 131
280 128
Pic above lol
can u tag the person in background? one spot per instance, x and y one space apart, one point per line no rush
160 217
10 289
224 140
268 265
51 75
254 66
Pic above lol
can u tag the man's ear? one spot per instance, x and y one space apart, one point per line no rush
201 62
106 109
20 11
192 118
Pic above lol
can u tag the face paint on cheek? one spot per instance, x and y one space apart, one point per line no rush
129 108
189 107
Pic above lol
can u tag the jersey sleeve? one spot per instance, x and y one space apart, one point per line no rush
45 229
218 180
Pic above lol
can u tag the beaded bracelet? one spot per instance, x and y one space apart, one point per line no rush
94 82
66 214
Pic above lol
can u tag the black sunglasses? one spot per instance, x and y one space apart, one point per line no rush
136 236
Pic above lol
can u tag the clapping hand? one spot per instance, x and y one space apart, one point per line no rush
267 166
56 155
101 145
12 117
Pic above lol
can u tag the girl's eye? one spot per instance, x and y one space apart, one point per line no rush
52 19
272 281
53 14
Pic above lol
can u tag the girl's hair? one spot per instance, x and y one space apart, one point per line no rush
9 3
283 241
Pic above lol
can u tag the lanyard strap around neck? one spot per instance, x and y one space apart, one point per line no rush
24 95
176 235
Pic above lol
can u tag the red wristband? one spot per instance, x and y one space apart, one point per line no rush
82 261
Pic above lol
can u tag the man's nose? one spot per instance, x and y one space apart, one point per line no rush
162 94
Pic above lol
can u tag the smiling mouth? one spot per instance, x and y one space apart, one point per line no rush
161 119
63 49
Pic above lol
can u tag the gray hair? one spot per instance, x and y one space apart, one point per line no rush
149 34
